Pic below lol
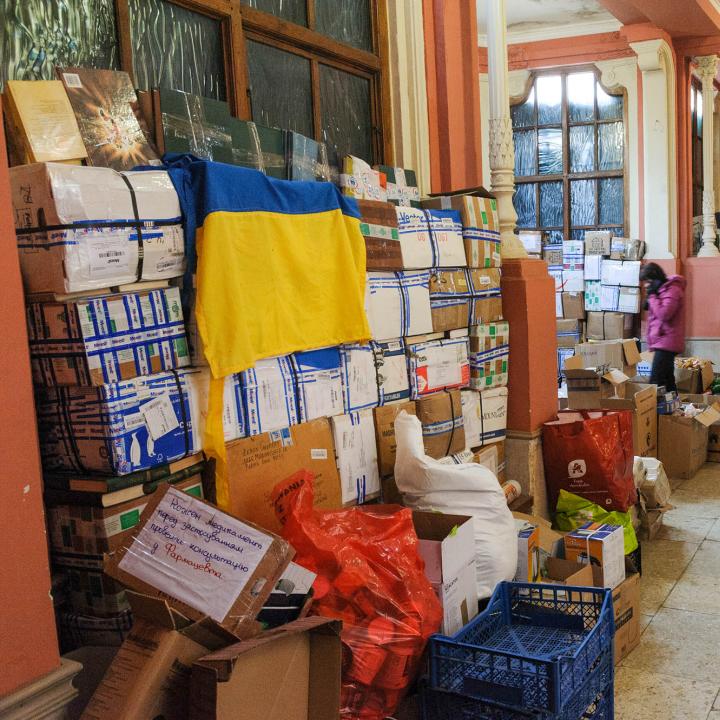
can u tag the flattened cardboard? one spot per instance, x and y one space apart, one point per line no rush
385 434
291 673
241 616
256 464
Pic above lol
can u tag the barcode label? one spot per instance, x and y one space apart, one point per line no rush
72 80
108 256
111 254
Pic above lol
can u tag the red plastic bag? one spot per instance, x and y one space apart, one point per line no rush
590 454
371 577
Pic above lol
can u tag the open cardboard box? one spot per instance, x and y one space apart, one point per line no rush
641 400
589 386
683 441
549 543
291 673
621 355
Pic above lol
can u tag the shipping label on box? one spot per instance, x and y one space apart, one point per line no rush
356 455
75 255
106 339
443 429
257 464
378 225
489 355
269 395
392 372
318 380
131 425
385 434
600 545
359 377
484 416
480 227
437 365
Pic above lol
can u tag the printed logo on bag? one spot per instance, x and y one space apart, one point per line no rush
577 468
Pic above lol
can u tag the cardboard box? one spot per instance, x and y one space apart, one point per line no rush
480 223
588 388
398 304
573 304
447 545
392 372
379 227
293 673
695 379
402 187
683 442
359 377
484 416
81 257
641 400
568 572
528 569
626 608
609 326
441 415
223 569
268 393
629 300
449 313
436 365
593 289
131 425
601 545
553 254
532 241
548 542
106 339
619 354
318 383
385 434
87 589
489 355
597 242
360 181
609 298
256 464
593 267
356 456
493 458
486 301
430 238
654 485
569 333
621 272
573 255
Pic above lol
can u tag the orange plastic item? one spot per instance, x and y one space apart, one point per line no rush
371 576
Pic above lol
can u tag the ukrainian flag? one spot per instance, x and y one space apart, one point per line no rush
280 268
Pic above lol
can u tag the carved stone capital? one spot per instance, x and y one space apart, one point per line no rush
707 66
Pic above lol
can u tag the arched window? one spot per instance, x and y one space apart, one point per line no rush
570 156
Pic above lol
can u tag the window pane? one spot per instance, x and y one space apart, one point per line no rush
549 95
524 200
37 35
550 151
177 49
346 120
524 115
611 201
554 237
610 107
582 202
582 148
347 21
551 204
280 93
577 235
525 152
611 146
581 96
292 10
699 114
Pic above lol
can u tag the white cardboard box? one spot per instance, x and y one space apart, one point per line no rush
356 455
398 304
269 395
359 377
319 383
430 238
609 297
437 364
621 272
573 280
593 267
447 545
484 415
392 373
629 300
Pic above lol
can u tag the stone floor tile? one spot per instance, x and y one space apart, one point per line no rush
696 593
706 561
666 558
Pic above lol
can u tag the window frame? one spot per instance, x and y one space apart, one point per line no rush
696 148
239 23
566 176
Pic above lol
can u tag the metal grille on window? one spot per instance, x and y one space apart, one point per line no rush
176 48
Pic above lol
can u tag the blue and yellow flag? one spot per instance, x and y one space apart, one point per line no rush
280 268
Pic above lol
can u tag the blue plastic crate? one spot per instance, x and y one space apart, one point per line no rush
533 648
441 705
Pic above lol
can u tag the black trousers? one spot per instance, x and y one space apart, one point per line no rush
663 369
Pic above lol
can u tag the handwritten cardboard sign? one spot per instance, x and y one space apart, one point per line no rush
205 560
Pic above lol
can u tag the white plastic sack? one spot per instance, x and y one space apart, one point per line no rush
465 489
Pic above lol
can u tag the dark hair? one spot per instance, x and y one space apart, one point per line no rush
652 271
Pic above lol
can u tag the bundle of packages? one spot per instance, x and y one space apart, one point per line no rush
88 228
371 576
459 489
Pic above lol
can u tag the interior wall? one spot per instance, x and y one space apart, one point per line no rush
28 641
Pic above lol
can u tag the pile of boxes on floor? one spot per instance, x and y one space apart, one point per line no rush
122 396
597 286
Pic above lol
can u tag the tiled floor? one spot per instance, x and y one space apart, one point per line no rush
674 674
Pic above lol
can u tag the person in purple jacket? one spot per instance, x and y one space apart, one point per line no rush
665 321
